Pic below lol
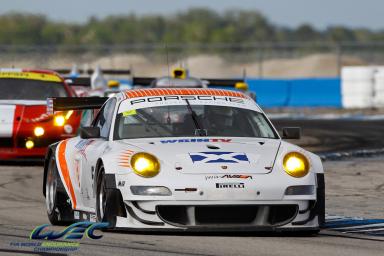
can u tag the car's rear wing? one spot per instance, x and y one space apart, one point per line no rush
74 103
147 81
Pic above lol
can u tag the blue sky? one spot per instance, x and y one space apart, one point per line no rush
320 13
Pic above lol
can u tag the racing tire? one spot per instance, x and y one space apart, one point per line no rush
109 202
102 197
320 204
58 209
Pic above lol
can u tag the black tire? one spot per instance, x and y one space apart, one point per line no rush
320 204
109 202
59 211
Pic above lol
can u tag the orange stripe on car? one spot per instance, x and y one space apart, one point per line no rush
65 171
173 91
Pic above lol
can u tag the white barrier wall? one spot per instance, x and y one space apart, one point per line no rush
357 86
378 87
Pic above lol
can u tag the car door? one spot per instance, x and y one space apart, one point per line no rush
93 149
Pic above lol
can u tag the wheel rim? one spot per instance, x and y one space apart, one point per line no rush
102 199
50 188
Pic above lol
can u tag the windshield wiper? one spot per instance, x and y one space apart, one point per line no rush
199 129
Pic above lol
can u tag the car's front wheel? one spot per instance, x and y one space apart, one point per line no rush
109 202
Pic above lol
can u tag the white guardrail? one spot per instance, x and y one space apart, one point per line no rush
362 86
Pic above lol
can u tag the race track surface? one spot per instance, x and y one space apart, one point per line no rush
22 208
336 135
354 187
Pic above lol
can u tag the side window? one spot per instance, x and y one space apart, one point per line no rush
104 118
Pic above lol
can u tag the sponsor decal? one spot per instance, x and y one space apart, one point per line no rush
218 157
195 140
229 176
38 119
82 146
76 215
187 97
92 218
229 185
129 113
121 183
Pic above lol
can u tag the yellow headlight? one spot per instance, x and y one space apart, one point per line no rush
38 131
29 144
59 120
145 165
296 164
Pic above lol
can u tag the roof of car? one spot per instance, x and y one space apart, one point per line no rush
42 75
181 91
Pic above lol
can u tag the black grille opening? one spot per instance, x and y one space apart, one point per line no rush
174 214
6 142
278 214
225 214
203 215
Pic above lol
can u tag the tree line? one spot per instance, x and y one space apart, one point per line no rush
192 26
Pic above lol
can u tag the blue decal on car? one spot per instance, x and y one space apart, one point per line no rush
218 157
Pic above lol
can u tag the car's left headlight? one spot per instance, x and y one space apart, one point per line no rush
145 165
296 164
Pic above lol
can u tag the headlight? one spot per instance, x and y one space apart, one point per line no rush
296 164
38 131
29 144
59 120
145 165
150 191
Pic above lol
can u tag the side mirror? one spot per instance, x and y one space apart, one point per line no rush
89 132
291 133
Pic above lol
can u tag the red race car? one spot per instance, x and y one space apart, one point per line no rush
25 127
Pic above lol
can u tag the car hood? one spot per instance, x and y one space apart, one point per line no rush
14 113
204 155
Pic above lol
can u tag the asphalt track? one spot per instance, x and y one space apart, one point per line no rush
22 208
337 135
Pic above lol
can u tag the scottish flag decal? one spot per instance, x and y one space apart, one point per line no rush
218 157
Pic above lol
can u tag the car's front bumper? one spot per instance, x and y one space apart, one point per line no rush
220 215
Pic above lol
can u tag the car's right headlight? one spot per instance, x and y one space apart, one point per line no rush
296 164
145 165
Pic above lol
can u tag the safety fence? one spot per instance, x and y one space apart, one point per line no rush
315 92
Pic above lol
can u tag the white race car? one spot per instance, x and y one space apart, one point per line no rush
183 159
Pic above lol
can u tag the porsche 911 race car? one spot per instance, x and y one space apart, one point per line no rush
26 129
183 159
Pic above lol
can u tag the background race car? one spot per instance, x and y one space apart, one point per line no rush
25 127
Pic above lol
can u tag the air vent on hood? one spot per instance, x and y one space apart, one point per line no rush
210 146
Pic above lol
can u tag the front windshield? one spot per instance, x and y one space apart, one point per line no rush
177 121
28 89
